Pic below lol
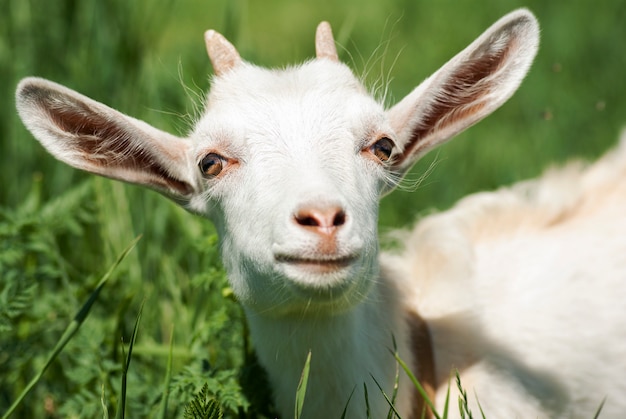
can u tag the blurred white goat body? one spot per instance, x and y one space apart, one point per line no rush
522 290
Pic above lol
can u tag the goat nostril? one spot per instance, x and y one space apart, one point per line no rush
340 219
307 221
326 218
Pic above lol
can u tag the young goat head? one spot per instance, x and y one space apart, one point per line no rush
289 165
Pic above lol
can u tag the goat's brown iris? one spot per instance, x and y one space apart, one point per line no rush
382 149
212 165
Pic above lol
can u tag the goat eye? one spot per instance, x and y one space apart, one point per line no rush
382 149
211 165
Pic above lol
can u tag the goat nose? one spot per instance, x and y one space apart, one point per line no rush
321 220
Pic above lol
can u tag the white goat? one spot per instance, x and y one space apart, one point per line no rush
522 289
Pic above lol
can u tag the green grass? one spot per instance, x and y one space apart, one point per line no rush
60 230
70 331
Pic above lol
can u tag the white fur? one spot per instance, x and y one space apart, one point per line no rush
521 289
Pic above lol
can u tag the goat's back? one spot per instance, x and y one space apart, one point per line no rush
524 290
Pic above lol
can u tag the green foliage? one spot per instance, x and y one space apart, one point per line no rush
41 289
223 385
59 232
203 406
15 300
70 331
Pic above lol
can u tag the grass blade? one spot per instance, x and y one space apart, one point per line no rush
396 384
168 377
105 411
463 402
389 401
121 409
302 385
480 408
71 329
368 413
447 403
597 415
345 409
417 385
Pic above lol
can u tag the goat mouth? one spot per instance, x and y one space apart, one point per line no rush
324 281
320 265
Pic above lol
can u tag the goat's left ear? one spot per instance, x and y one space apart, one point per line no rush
466 89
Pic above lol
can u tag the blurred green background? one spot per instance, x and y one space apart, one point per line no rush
147 59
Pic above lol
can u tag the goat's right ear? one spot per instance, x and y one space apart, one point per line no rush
466 89
93 137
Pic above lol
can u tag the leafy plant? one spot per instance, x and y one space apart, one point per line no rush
40 287
203 406
69 332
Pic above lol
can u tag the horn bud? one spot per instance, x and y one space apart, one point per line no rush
223 55
325 43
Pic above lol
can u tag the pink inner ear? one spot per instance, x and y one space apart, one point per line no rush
458 98
109 148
